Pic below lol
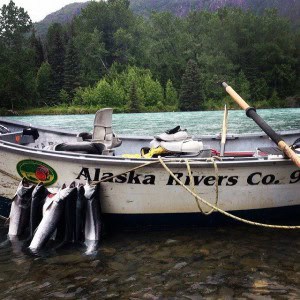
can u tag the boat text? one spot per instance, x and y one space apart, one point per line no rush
132 177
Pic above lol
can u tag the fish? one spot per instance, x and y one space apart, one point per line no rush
69 219
53 212
20 209
80 214
93 220
39 195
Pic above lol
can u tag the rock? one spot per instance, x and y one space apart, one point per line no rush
180 265
170 241
150 296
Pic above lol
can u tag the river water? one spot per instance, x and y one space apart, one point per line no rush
230 262
208 122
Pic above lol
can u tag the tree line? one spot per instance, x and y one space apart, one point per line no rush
108 56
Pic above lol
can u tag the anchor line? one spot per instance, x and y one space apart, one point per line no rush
192 192
212 206
10 175
213 160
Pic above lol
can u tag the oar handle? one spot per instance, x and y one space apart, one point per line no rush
251 113
235 96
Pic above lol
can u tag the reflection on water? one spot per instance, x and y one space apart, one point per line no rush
197 123
216 263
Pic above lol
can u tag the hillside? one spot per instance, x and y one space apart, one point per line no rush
290 9
64 15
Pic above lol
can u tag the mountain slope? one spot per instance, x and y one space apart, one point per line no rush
287 8
63 16
290 8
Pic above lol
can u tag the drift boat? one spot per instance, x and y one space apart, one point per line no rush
252 179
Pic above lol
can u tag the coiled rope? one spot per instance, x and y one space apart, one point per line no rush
214 207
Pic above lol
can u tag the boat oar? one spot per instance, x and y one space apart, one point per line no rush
251 113
224 131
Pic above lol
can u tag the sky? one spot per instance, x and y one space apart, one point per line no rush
39 9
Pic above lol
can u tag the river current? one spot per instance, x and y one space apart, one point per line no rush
229 262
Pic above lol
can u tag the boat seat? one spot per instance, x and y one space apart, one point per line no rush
102 132
82 147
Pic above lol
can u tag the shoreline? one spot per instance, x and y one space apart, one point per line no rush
75 110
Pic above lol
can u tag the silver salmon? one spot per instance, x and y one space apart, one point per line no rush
53 212
20 209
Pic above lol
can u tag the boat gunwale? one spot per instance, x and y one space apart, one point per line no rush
216 136
120 161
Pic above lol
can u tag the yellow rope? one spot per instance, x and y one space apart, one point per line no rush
10 175
219 209
192 183
192 192
133 169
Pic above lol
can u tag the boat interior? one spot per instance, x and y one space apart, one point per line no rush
175 142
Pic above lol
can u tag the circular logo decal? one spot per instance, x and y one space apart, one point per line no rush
36 171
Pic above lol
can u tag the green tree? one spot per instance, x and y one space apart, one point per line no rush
153 91
56 57
72 70
134 103
166 54
243 85
191 97
92 56
171 97
44 84
37 47
17 64
107 17
14 23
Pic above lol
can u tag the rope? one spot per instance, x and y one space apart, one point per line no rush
192 182
133 169
10 175
219 209
192 192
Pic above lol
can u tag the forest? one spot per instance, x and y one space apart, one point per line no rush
110 57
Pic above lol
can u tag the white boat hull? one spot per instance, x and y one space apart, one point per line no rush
244 184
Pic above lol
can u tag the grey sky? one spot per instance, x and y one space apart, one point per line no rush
39 9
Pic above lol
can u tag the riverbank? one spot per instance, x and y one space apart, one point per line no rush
210 105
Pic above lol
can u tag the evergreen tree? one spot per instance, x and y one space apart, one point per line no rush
17 65
56 57
191 97
37 47
72 69
134 103
44 84
171 97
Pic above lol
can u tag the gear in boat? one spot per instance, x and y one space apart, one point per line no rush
103 141
175 142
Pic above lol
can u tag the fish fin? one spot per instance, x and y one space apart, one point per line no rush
6 223
72 185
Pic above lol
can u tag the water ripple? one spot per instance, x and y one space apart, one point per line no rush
199 122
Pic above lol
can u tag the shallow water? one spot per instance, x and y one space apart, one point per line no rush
217 263
239 262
